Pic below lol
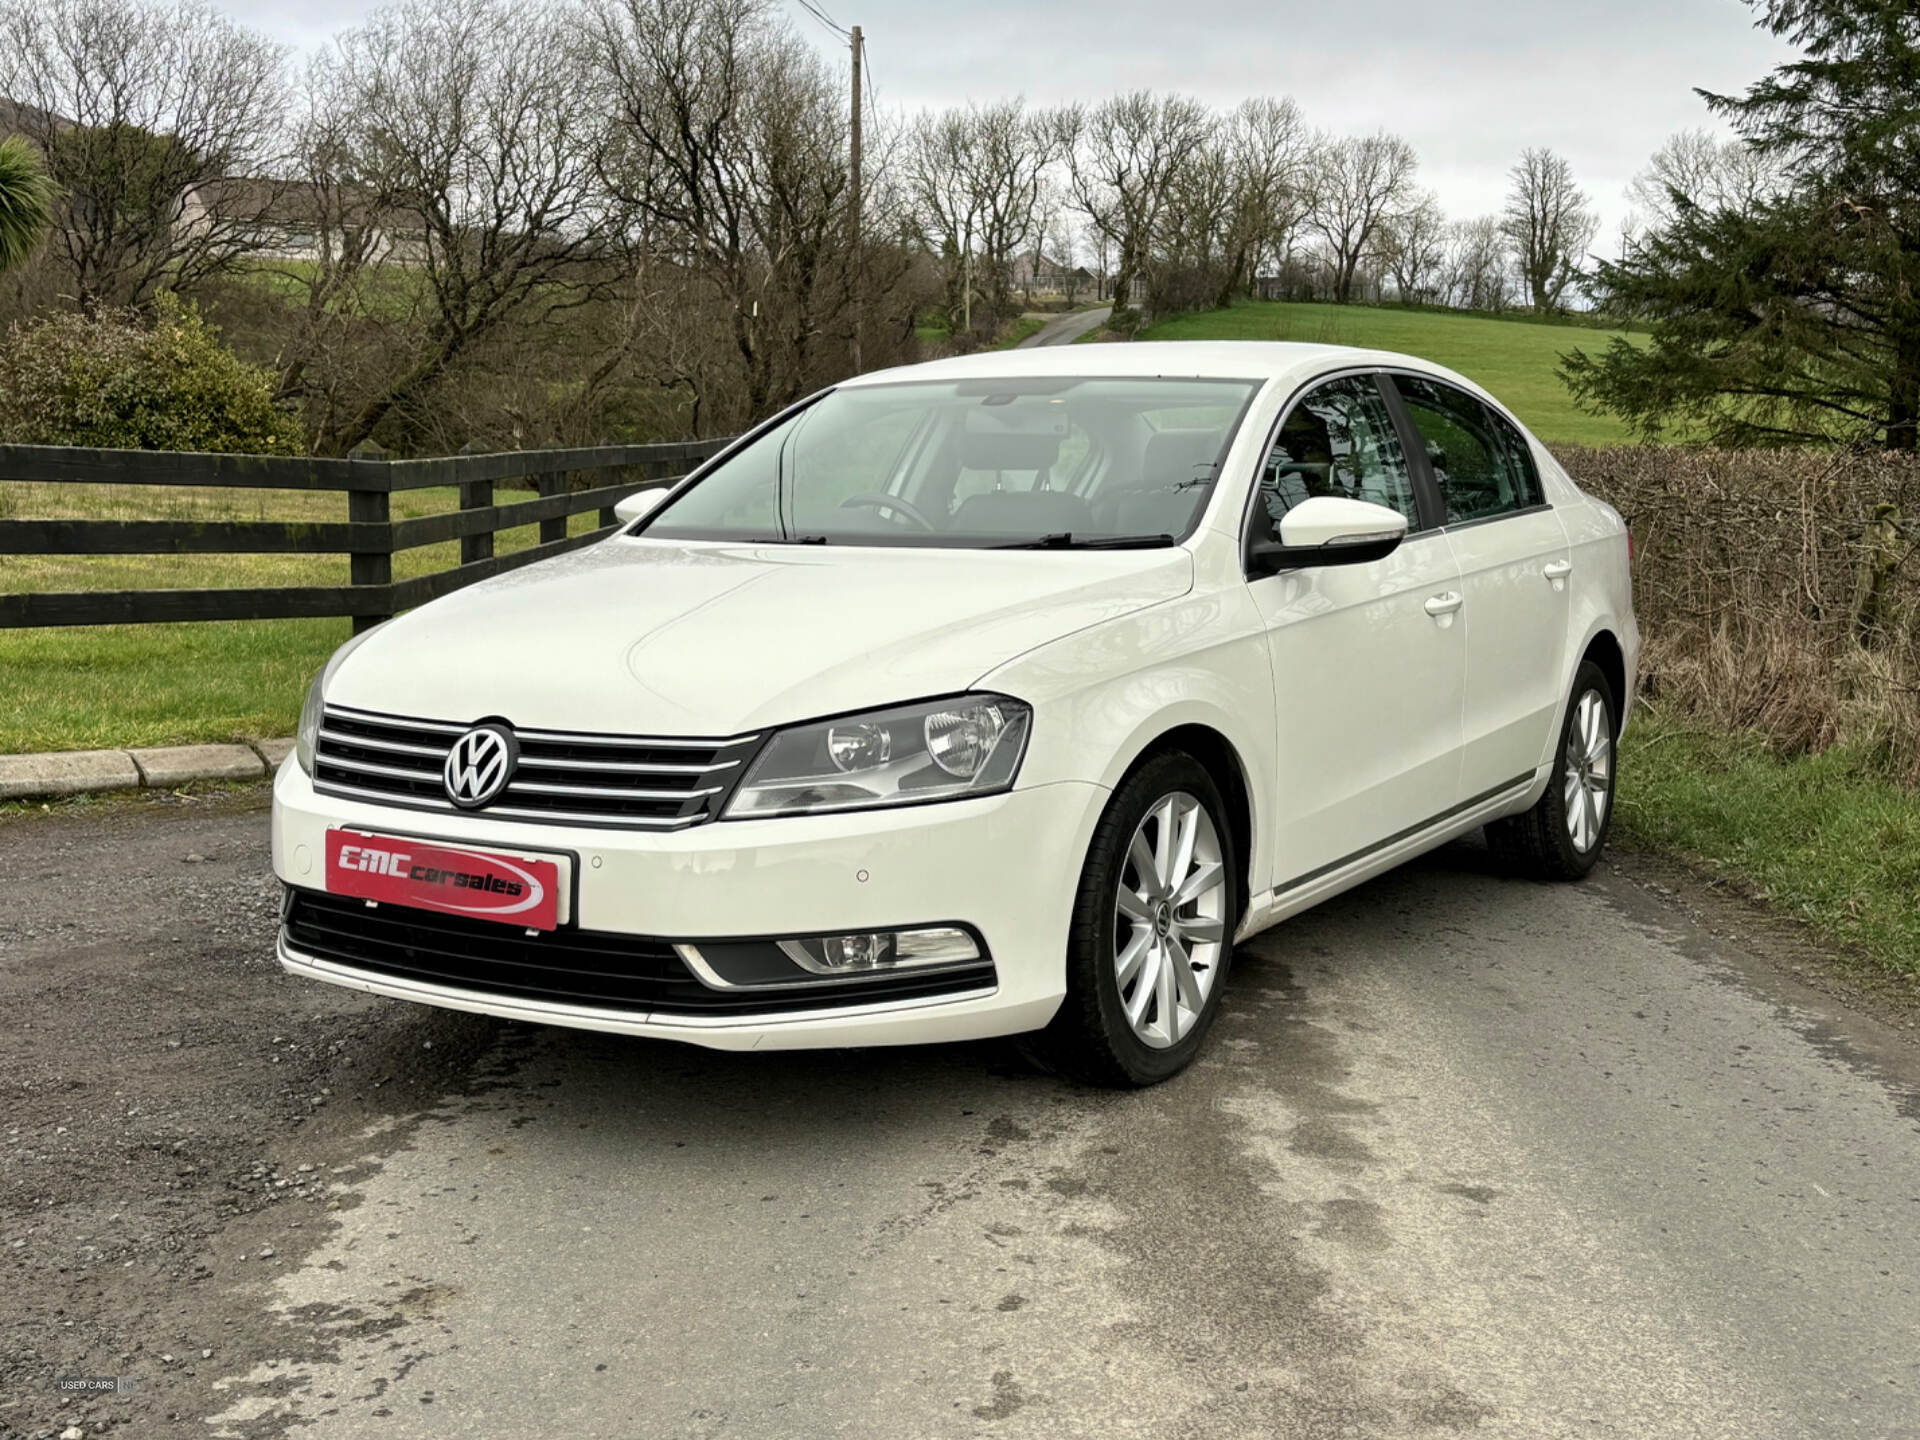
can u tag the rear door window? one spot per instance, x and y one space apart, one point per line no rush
1482 466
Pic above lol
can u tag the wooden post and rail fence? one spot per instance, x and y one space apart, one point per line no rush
370 537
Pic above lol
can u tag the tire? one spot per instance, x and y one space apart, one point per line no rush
1563 835
1113 1031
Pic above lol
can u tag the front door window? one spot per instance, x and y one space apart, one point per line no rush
1338 440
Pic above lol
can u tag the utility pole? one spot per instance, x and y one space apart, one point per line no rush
854 276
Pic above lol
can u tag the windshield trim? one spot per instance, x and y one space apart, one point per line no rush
1230 434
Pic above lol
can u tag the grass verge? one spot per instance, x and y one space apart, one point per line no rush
101 687
114 686
1821 837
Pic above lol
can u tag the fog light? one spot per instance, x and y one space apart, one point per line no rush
881 950
857 952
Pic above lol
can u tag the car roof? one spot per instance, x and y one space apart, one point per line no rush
1174 359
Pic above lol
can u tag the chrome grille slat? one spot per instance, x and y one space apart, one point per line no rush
636 781
392 747
620 767
636 742
397 722
365 767
528 787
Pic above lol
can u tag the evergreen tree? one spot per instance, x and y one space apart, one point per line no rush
1799 318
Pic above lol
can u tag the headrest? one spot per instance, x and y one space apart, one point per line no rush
1174 457
1007 450
1012 438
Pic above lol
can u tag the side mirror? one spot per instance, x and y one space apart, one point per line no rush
1329 530
639 504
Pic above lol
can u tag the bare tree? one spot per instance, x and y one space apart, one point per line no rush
1479 266
1121 158
1550 224
976 179
142 113
1360 183
1694 169
1010 155
1415 249
1186 267
1267 147
1064 246
475 145
730 153
944 205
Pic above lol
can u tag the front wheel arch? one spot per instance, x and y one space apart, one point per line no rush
1215 754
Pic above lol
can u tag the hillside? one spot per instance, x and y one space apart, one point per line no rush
1517 360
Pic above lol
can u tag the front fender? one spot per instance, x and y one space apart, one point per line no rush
1104 696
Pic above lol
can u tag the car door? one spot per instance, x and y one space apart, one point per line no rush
1368 659
1514 566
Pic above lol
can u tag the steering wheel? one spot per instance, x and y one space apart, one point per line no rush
888 502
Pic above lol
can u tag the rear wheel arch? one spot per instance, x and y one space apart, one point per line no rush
1604 651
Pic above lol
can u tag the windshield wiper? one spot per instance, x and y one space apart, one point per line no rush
1067 540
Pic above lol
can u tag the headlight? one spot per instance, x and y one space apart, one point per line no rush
307 737
936 750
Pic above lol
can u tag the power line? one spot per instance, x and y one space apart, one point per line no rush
825 19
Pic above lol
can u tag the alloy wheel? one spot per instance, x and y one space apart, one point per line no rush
1170 920
1588 778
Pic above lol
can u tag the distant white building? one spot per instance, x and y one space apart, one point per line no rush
297 220
1038 273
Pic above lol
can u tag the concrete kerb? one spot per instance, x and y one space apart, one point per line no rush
93 772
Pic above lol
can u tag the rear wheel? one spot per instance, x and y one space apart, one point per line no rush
1152 933
1562 836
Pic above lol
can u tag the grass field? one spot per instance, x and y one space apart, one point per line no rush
102 686
1823 837
1516 360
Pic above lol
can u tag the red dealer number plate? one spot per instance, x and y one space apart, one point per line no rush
511 890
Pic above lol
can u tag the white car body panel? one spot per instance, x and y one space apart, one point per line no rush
645 637
1362 726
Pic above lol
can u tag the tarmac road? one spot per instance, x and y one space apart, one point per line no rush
1466 1155
1067 328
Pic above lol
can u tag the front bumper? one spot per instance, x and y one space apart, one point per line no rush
1007 865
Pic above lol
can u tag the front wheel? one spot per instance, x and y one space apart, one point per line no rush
1562 836
1152 935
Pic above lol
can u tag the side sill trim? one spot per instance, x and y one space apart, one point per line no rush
1518 782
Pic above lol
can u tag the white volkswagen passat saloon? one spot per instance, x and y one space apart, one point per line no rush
994 696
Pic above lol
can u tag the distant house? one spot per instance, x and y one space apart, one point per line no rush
294 220
275 219
1038 273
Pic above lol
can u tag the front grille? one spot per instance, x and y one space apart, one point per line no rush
567 966
561 778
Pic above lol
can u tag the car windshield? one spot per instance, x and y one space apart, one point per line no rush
980 464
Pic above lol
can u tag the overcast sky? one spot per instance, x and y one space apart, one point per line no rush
1469 82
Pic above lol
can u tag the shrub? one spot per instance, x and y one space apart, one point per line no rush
26 201
119 382
1778 590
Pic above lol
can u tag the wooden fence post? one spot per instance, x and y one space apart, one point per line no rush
553 483
609 477
371 506
475 495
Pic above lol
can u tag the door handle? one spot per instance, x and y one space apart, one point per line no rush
1445 604
1557 570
